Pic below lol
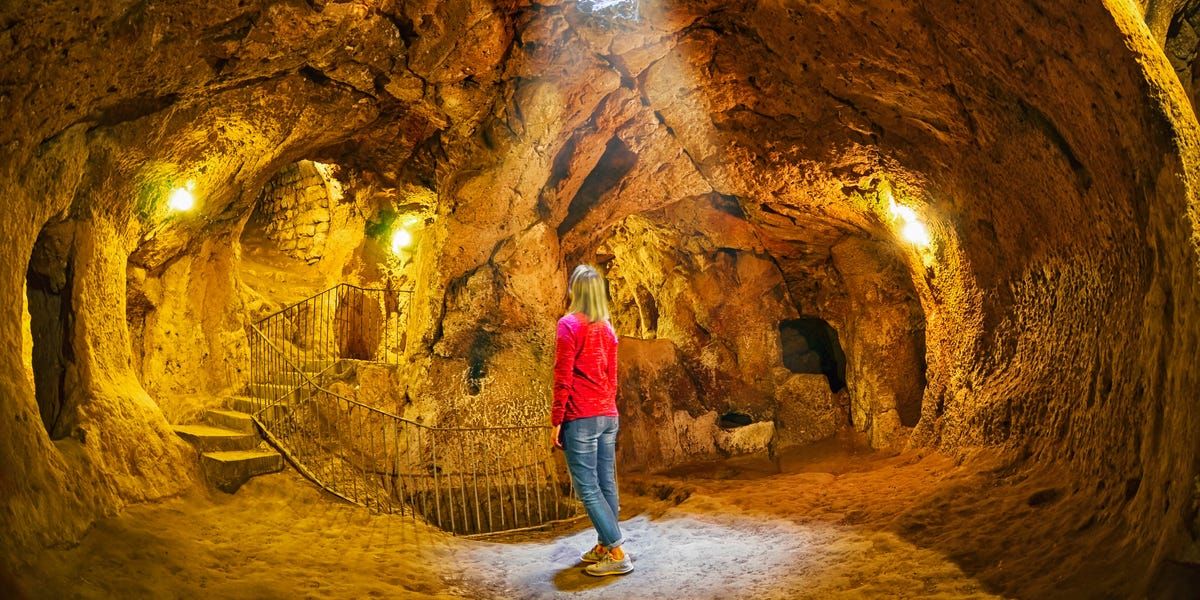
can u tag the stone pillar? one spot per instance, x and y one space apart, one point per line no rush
883 342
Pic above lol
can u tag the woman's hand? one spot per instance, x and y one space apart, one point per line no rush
554 436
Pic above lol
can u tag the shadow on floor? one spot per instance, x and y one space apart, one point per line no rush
573 579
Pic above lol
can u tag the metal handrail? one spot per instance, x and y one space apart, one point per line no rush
469 480
310 381
298 303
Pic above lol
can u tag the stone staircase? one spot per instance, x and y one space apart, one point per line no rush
231 449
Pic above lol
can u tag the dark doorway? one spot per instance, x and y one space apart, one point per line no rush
810 345
48 288
648 311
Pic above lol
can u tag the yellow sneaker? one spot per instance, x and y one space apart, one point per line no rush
595 554
610 566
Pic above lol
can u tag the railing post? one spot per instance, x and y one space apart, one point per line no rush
414 465
516 518
487 488
475 480
537 487
462 478
437 484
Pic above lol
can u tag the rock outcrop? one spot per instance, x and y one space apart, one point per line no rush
733 164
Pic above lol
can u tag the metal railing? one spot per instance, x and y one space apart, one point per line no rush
469 481
344 322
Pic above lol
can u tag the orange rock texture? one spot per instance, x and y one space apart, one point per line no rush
731 164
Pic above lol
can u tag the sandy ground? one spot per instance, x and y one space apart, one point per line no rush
730 530
744 529
708 548
278 537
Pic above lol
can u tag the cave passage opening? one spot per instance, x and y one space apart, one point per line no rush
810 345
48 290
734 420
293 212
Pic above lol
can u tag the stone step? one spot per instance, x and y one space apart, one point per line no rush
244 404
229 470
271 391
252 406
234 420
286 378
207 438
315 366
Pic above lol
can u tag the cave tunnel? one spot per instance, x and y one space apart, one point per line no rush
48 306
899 299
810 345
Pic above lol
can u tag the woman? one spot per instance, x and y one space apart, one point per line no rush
585 414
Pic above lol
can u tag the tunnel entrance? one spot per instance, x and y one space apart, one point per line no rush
48 290
810 345
734 420
647 312
909 407
294 210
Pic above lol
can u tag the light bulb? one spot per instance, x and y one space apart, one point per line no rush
401 239
915 232
911 228
181 199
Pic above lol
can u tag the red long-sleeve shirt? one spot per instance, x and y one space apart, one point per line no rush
585 370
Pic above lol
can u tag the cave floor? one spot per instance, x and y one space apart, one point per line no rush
742 529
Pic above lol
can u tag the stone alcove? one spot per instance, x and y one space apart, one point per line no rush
295 209
48 298
810 345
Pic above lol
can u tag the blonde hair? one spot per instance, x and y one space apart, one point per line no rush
587 292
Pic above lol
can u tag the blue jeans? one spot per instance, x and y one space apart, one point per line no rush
591 448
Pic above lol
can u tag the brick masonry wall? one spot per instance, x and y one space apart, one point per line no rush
296 208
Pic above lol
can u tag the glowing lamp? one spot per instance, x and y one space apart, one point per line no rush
401 238
916 233
911 228
182 199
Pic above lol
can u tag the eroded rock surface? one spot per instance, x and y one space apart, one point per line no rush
733 165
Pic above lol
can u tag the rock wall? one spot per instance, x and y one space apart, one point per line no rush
882 328
295 209
187 327
694 276
1050 149
667 419
108 444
